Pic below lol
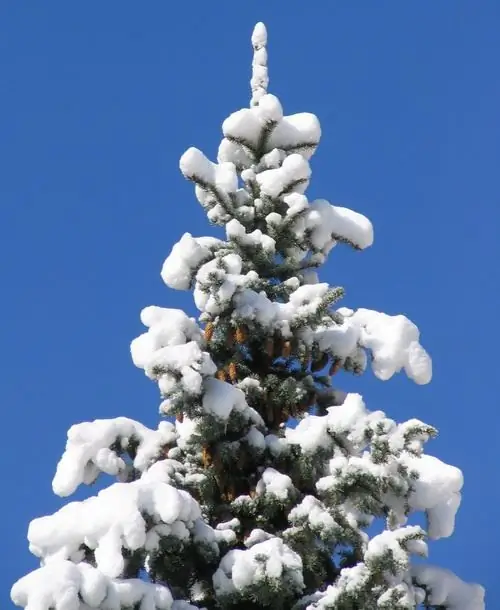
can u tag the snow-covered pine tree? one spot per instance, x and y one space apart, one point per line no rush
225 506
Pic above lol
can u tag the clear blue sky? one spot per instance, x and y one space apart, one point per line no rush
98 102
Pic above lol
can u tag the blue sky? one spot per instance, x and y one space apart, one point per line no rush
99 100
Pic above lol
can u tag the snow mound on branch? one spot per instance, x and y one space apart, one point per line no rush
216 282
392 340
186 256
166 327
88 450
327 224
185 362
63 585
271 560
447 590
350 419
170 352
294 171
303 302
275 484
392 549
256 239
195 166
436 491
243 131
220 399
114 520
313 512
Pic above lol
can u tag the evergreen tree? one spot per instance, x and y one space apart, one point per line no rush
225 506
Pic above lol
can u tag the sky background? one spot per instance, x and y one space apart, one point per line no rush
98 102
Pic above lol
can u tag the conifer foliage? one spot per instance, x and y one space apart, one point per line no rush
226 506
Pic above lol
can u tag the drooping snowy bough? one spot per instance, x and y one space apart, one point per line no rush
226 505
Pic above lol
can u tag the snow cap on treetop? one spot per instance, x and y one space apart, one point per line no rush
260 78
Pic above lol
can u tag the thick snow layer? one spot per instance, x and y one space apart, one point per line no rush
63 585
293 175
260 79
256 239
393 342
220 399
113 520
185 258
222 176
398 544
326 224
270 560
275 484
166 327
351 419
302 302
437 491
187 362
313 512
391 548
88 450
446 589
298 133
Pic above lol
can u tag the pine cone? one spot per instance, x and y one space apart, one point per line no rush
335 368
286 352
206 457
228 495
233 373
209 331
221 375
241 334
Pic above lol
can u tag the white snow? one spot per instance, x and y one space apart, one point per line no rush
218 176
257 536
275 484
398 544
392 340
394 343
314 512
87 450
326 224
437 491
112 520
298 133
260 79
185 258
293 174
448 590
166 327
256 239
63 585
271 559
220 398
